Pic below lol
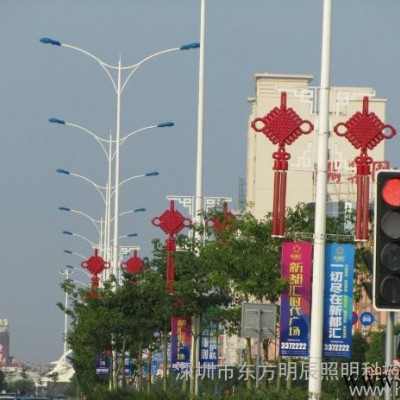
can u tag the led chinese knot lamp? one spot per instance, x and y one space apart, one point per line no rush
134 265
364 130
96 265
223 222
282 126
171 222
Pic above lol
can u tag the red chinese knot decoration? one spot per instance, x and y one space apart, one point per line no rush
171 222
282 126
134 265
96 265
223 223
364 130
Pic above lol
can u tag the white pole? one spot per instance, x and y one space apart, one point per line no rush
317 307
199 182
107 223
200 118
116 179
66 316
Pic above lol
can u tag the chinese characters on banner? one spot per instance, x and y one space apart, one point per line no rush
338 302
181 343
103 365
209 346
295 302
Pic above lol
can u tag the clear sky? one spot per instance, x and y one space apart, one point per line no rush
243 37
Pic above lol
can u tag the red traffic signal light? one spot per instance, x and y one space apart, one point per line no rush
386 275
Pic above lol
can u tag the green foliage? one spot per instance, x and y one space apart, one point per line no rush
3 383
215 272
24 387
376 351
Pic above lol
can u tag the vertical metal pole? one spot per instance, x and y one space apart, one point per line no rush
389 351
314 387
200 117
115 258
107 224
66 316
199 180
116 179
259 312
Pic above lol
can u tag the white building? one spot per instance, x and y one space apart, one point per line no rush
303 98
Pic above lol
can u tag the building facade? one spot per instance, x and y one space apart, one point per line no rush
301 176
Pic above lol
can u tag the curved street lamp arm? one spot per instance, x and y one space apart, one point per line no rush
134 177
80 283
75 254
98 139
129 212
102 64
125 138
127 180
78 269
95 222
95 185
81 237
134 67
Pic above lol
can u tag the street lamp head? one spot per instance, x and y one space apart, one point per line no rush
56 121
154 173
64 209
47 40
62 171
132 235
139 209
69 266
67 233
68 252
165 124
190 46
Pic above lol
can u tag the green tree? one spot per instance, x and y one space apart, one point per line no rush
24 387
3 383
119 320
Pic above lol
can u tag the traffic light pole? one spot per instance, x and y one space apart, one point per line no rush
389 339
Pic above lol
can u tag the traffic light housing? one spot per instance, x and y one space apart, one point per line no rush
386 276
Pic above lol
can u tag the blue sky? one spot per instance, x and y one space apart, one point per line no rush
38 82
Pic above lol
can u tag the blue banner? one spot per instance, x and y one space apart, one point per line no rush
338 300
209 346
103 365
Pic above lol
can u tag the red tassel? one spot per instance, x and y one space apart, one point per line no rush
170 272
365 219
362 205
275 205
359 205
282 205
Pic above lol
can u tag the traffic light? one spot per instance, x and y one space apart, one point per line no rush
386 276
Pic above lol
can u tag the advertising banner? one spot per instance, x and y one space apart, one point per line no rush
295 302
209 346
181 343
103 365
338 302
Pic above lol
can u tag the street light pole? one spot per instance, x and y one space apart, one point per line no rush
67 272
114 264
106 231
199 190
119 86
317 307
